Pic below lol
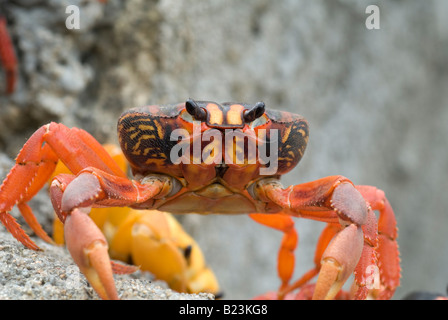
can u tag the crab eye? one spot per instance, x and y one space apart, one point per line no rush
195 111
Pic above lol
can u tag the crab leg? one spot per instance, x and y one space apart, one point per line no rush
93 187
8 57
332 199
72 198
387 249
286 259
96 178
35 164
368 256
32 170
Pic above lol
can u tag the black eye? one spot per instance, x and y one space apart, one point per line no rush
195 111
187 253
254 113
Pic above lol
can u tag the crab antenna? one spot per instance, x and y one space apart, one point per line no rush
196 111
254 113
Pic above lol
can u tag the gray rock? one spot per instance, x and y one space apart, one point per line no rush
51 274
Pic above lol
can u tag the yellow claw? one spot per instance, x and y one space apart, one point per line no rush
156 242
154 249
200 278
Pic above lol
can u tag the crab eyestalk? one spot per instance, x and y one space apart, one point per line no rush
254 113
196 111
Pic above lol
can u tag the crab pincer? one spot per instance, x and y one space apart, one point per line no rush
88 248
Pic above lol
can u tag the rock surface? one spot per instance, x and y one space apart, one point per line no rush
52 275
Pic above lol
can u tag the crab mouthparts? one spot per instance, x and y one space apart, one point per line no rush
214 191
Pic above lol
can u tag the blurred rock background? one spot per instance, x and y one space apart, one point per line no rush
376 100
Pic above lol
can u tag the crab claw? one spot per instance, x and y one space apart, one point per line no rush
338 262
88 248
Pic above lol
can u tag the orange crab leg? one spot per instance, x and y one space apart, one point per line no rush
368 258
332 199
8 57
93 187
352 242
387 250
35 164
78 150
286 259
98 178
31 220
30 173
85 241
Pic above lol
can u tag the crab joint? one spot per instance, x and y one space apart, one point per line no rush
170 185
259 188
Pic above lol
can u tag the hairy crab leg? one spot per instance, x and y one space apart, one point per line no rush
30 173
333 199
368 256
387 249
72 198
94 187
77 150
36 162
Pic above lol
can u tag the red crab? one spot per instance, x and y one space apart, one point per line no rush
187 158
